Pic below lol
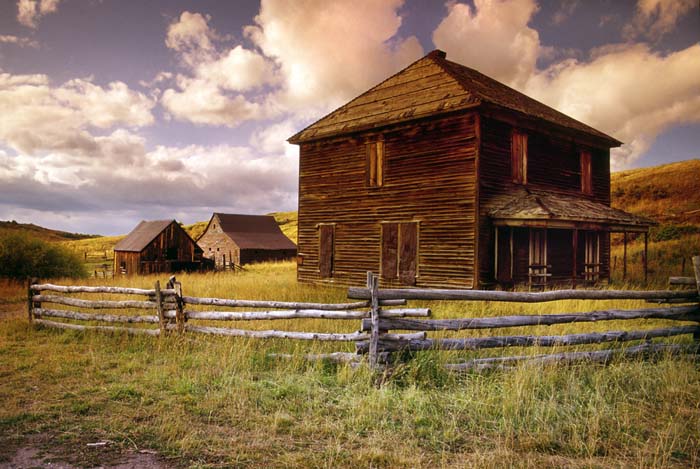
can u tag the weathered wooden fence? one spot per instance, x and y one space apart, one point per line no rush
170 311
378 325
386 327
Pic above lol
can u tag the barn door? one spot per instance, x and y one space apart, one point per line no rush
538 268
399 255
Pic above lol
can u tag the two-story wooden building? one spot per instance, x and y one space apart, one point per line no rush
443 177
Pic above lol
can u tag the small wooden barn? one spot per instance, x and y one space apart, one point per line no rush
232 240
440 176
155 247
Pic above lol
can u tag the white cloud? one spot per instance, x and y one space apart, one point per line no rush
48 119
30 11
20 41
273 139
655 18
618 90
493 37
303 38
210 93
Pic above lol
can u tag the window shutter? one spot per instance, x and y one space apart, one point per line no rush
408 252
390 238
326 242
519 157
586 175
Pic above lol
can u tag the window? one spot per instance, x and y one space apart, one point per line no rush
399 252
518 157
326 254
375 163
586 175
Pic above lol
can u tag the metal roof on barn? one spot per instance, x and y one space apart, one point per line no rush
254 231
430 86
142 235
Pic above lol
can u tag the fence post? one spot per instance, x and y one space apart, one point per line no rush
31 304
373 286
159 308
696 269
179 308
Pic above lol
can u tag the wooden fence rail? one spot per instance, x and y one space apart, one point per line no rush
378 326
386 324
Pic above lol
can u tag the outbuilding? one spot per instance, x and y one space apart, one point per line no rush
157 246
233 240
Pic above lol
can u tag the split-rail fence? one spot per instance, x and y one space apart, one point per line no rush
386 325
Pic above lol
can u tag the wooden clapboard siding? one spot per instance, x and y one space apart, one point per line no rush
553 164
429 178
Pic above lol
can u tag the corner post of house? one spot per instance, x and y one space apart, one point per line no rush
31 304
624 256
574 242
373 287
696 270
159 308
646 256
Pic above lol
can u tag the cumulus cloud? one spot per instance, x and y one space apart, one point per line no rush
30 11
302 38
47 118
19 41
188 182
493 37
617 89
211 92
655 18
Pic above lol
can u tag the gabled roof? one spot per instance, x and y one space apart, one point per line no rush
430 86
253 231
142 235
522 203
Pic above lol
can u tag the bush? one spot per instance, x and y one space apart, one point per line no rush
22 256
670 232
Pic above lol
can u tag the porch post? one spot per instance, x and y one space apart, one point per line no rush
624 257
646 253
573 269
495 256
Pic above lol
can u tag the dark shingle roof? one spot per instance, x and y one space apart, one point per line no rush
254 231
521 203
142 235
430 86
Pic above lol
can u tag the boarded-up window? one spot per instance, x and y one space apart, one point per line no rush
375 163
326 235
586 175
390 243
519 157
400 252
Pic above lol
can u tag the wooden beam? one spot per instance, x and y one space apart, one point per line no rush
574 242
646 254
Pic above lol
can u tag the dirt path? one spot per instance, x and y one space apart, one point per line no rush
32 457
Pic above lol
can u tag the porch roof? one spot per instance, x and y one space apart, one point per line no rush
523 206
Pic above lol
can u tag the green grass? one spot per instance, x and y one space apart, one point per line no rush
222 402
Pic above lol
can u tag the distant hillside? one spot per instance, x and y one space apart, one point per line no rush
36 231
669 194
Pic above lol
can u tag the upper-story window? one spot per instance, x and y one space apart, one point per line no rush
586 174
518 156
375 163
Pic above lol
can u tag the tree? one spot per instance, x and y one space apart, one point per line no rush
22 256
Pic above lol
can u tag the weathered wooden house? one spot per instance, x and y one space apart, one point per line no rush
157 246
443 177
232 240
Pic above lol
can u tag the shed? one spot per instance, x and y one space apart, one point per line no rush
441 176
232 240
157 246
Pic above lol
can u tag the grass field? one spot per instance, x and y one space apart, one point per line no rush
223 402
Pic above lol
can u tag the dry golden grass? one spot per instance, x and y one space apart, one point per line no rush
224 402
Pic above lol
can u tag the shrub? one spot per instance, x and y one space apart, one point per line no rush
22 256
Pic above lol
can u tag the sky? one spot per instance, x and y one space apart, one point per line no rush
115 111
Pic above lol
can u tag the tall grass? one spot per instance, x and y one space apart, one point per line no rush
222 402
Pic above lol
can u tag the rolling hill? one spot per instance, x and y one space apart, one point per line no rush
40 232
